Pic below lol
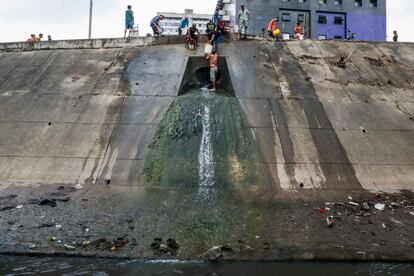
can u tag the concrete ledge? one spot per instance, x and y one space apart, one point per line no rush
103 43
108 43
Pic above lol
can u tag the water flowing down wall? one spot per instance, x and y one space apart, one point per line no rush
202 142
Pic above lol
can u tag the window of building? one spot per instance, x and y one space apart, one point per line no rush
374 3
322 37
301 17
286 0
338 2
286 17
302 1
338 37
358 3
338 20
323 2
322 19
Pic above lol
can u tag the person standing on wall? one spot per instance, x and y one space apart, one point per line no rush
183 24
395 36
243 21
129 21
298 31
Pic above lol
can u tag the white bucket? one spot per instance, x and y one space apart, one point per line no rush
208 49
286 36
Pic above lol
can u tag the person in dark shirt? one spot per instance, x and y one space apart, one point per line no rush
395 36
211 27
155 24
216 38
192 35
221 26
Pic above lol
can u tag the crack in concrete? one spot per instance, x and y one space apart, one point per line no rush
410 116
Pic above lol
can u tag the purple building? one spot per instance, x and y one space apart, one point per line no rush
321 19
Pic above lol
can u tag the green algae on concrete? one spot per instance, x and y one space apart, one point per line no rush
173 155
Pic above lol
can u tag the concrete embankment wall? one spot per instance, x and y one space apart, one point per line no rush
81 116
103 43
325 127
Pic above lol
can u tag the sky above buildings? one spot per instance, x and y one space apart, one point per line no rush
68 19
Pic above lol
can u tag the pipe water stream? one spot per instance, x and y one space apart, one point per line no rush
205 156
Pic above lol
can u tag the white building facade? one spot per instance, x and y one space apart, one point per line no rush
172 20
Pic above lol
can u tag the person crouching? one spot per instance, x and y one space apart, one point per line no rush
192 36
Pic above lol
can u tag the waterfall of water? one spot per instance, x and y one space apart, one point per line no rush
205 156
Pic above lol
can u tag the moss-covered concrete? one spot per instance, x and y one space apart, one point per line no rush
173 154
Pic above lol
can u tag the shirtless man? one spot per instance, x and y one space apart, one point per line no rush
213 57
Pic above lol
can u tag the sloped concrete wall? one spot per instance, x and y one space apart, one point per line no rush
325 127
87 116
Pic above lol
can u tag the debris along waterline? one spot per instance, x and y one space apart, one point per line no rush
205 156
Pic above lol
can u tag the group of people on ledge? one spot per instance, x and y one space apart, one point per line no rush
216 30
36 39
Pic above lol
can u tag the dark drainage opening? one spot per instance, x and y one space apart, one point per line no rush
197 75
202 77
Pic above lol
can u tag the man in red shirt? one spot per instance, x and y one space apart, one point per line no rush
272 26
298 31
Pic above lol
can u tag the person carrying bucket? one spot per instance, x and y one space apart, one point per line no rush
272 29
155 25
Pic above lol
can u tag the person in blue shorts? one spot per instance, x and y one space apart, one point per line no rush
129 21
183 24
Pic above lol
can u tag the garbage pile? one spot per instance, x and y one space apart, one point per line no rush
335 211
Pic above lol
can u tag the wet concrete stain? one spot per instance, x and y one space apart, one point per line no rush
326 141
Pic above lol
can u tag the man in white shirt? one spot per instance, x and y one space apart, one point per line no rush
243 19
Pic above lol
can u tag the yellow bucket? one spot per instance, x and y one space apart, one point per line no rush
276 32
